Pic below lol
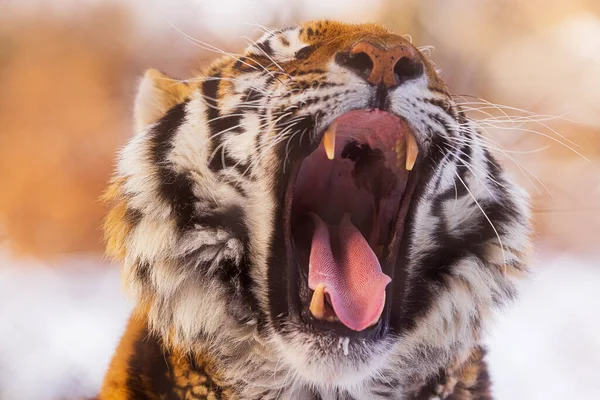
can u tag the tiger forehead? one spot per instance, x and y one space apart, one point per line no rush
338 35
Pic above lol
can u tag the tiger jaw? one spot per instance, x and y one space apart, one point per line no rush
349 199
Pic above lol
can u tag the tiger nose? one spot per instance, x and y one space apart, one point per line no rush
388 66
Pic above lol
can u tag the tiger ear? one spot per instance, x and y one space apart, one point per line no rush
157 94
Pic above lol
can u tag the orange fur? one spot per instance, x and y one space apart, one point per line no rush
115 386
116 227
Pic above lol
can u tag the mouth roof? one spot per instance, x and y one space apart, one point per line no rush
344 213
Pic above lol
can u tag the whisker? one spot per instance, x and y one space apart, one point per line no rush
261 27
288 144
426 49
255 44
540 134
483 174
209 47
261 149
485 215
484 143
524 170
501 107
221 144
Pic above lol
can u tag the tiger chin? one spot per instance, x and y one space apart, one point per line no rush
315 218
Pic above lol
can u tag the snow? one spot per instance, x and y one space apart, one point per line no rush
59 327
547 346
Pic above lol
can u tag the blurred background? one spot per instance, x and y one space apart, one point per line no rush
528 70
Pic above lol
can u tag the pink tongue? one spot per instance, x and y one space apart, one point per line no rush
353 278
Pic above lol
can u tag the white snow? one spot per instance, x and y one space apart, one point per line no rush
59 327
547 345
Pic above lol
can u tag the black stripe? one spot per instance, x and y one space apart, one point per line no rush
222 160
254 63
231 219
284 41
152 374
266 47
133 216
438 154
234 274
299 126
436 265
175 188
210 87
298 72
252 97
305 52
442 105
164 131
467 148
494 171
142 275
218 123
147 368
440 121
420 294
240 64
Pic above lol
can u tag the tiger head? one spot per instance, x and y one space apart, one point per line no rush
316 213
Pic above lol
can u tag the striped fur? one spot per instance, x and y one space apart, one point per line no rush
197 223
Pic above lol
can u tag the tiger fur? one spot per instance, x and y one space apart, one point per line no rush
197 221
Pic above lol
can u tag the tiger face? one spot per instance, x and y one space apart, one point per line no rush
317 214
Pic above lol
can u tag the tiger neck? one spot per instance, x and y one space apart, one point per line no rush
145 366
467 380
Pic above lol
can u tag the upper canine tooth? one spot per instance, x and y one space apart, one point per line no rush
412 151
317 303
329 141
400 149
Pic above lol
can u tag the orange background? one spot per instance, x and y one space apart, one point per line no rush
68 80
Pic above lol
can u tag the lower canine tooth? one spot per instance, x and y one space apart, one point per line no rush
317 303
329 141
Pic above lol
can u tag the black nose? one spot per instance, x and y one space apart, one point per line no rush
390 67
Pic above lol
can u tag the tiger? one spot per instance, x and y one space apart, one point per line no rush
314 218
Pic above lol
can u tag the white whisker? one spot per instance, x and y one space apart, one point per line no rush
485 215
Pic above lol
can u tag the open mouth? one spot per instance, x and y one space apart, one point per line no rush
346 210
